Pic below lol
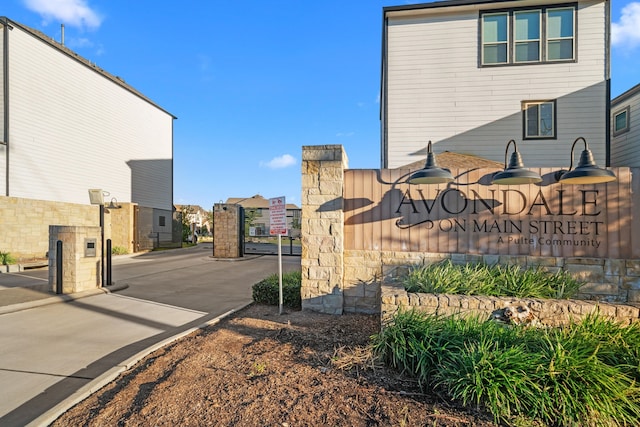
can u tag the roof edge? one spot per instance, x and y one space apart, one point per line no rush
439 4
626 95
82 60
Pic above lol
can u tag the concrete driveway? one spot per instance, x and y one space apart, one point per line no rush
54 355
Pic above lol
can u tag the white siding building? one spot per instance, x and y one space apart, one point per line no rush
625 128
472 75
67 126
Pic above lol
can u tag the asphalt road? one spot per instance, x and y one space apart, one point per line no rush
190 278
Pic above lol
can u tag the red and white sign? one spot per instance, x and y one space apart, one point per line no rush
277 216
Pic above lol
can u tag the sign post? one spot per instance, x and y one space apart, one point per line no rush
278 226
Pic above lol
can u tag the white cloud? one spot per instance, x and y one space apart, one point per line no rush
281 162
76 13
627 31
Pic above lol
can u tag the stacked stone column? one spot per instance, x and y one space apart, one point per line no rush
322 225
226 231
81 270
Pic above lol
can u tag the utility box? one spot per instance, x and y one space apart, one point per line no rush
90 247
81 257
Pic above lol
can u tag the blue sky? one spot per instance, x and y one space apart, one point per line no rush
252 82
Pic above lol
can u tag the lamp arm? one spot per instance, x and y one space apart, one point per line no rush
506 150
573 146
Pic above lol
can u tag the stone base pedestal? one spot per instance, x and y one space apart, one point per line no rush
81 257
228 231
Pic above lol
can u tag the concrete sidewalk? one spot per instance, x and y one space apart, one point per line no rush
53 355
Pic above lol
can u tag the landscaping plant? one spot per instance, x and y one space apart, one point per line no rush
490 280
119 250
267 290
583 374
6 258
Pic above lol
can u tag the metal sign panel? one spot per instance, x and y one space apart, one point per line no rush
277 216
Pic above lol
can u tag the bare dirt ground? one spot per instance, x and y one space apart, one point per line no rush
259 368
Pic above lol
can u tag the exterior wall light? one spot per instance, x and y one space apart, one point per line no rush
587 172
515 173
431 173
113 204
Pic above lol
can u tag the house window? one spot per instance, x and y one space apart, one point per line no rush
621 122
528 36
161 221
495 43
560 34
539 119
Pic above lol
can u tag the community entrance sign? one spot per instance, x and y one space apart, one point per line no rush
473 216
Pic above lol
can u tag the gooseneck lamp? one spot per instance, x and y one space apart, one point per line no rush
431 173
587 172
515 173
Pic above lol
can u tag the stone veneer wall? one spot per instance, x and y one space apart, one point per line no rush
24 229
79 272
119 226
226 230
607 280
25 224
549 312
322 228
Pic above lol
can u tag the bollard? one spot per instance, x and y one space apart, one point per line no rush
59 267
108 262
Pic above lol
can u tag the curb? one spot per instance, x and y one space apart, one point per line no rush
239 259
99 382
60 298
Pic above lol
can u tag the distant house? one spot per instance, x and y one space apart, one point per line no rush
197 216
257 209
470 75
67 126
625 128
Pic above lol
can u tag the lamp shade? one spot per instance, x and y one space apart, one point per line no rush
587 172
515 173
431 173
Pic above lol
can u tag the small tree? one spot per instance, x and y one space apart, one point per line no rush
249 216
187 211
210 220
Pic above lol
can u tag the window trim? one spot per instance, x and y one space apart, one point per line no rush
625 129
573 38
544 40
507 42
554 133
527 41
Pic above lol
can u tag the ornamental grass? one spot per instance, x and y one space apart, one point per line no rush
584 374
490 280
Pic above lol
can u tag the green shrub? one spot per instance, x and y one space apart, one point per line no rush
496 280
583 374
119 250
6 258
267 290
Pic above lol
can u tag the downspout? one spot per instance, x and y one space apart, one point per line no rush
607 71
384 155
5 97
